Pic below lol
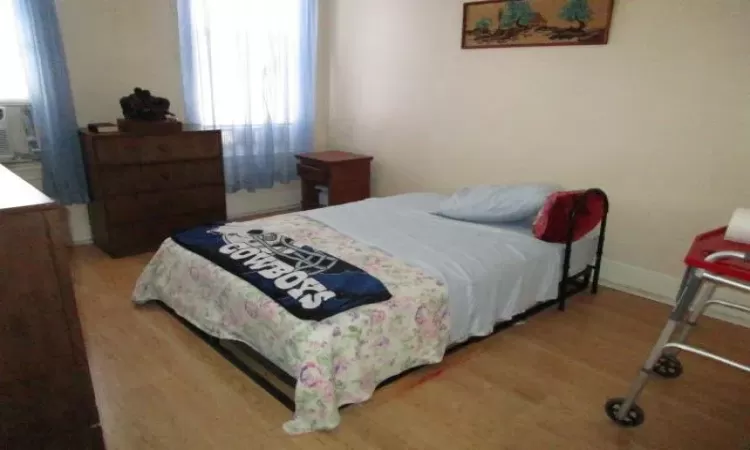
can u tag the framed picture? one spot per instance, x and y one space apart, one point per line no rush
522 23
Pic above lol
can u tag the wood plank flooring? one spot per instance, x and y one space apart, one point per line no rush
536 386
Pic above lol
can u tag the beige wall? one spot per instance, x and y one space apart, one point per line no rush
113 46
659 118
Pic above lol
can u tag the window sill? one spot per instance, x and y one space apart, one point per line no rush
30 171
14 102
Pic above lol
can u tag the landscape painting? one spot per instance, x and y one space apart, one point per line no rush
517 23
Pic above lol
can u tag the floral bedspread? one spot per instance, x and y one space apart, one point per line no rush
337 361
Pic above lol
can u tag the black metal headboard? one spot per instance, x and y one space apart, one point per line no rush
571 284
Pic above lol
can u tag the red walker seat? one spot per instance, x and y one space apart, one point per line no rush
712 242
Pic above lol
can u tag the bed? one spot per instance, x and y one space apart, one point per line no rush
451 282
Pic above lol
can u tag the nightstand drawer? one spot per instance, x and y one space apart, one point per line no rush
310 173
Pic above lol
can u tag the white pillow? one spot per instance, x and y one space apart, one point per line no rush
502 203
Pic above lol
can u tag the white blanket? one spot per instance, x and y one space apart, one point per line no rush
493 272
450 281
337 361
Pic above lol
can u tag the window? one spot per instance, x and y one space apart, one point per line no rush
12 73
248 69
246 61
18 141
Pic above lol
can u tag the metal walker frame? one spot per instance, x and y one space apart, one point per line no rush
693 299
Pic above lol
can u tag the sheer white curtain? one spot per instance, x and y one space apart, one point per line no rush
13 86
249 69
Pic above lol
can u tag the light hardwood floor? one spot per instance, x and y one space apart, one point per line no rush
541 385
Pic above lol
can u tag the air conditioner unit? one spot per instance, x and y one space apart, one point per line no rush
18 140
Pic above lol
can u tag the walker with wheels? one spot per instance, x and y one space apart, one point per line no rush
711 262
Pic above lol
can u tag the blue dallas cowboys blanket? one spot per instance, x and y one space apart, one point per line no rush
310 284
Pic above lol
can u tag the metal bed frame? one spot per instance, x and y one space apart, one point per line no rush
281 385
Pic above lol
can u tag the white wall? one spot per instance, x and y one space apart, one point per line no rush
659 118
113 46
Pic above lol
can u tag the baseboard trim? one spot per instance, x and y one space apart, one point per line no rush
663 288
79 242
252 215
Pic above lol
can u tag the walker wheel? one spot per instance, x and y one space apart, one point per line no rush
668 366
633 418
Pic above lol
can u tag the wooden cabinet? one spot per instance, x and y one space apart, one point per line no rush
46 397
345 175
143 188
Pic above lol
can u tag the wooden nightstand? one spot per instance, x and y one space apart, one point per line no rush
346 175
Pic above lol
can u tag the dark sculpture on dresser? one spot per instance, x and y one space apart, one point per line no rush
141 105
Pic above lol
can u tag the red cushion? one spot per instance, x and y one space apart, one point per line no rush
551 224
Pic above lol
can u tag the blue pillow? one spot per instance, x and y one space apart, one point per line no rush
491 204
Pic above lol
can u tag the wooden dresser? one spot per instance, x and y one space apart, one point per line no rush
345 175
46 397
143 188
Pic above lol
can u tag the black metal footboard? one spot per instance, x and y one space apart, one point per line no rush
576 283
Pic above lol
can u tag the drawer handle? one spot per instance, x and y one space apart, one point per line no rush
162 147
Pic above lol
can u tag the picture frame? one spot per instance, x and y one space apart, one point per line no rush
535 23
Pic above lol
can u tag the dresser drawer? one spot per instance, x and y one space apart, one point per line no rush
152 205
144 186
150 149
143 236
49 405
119 180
